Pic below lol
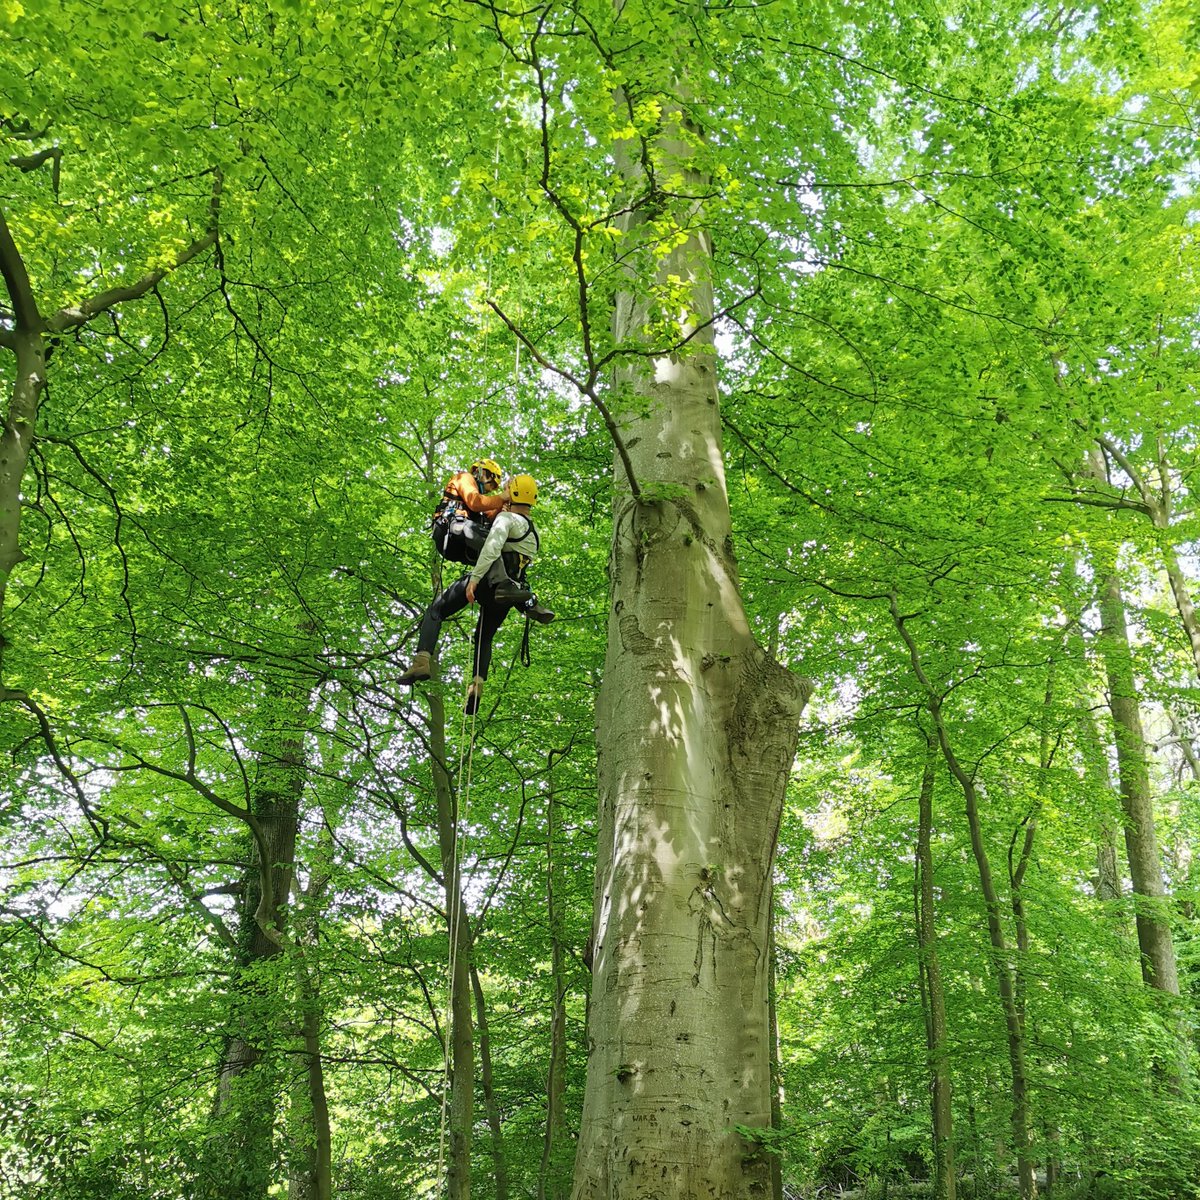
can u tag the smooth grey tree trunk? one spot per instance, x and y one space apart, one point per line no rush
696 733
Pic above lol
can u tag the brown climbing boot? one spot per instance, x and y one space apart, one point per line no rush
421 668
474 695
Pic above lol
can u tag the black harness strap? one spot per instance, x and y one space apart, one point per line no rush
525 659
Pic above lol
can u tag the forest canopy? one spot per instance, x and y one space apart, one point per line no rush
839 832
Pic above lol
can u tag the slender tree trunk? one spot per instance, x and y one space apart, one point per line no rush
1183 603
696 732
776 1066
1183 858
1001 956
553 1181
461 1056
250 1081
1141 844
932 995
499 1161
310 1139
311 1177
1108 872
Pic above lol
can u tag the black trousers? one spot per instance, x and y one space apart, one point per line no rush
454 600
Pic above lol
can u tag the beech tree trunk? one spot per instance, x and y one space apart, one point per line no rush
242 1154
1002 962
1141 843
553 1179
933 996
696 733
499 1160
461 1081
310 1137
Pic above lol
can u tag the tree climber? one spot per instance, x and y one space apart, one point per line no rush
511 546
470 502
469 499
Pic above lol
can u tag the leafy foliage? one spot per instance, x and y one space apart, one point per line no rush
956 256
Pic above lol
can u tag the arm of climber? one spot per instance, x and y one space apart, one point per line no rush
474 499
501 528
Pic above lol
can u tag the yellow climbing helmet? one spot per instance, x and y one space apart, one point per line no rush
522 489
490 465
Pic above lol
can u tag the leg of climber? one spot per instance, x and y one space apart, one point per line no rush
536 611
503 586
452 600
491 617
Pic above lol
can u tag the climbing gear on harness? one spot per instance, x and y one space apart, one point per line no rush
421 669
474 696
512 593
458 535
523 489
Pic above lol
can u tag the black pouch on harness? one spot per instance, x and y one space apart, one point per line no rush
458 536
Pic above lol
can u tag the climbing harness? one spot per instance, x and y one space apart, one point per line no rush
458 534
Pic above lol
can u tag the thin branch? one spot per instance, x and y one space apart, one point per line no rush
76 315
584 389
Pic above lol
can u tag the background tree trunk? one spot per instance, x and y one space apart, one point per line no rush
250 1083
499 1162
461 1081
933 996
1141 843
310 1137
1001 957
553 1183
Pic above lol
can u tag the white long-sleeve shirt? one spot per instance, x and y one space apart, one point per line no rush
511 532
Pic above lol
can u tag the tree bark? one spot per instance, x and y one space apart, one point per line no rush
499 1160
1141 843
776 1065
249 1085
696 732
461 1047
311 1138
20 421
932 994
553 1181
1001 956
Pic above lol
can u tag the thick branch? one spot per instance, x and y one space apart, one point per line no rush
80 314
16 279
